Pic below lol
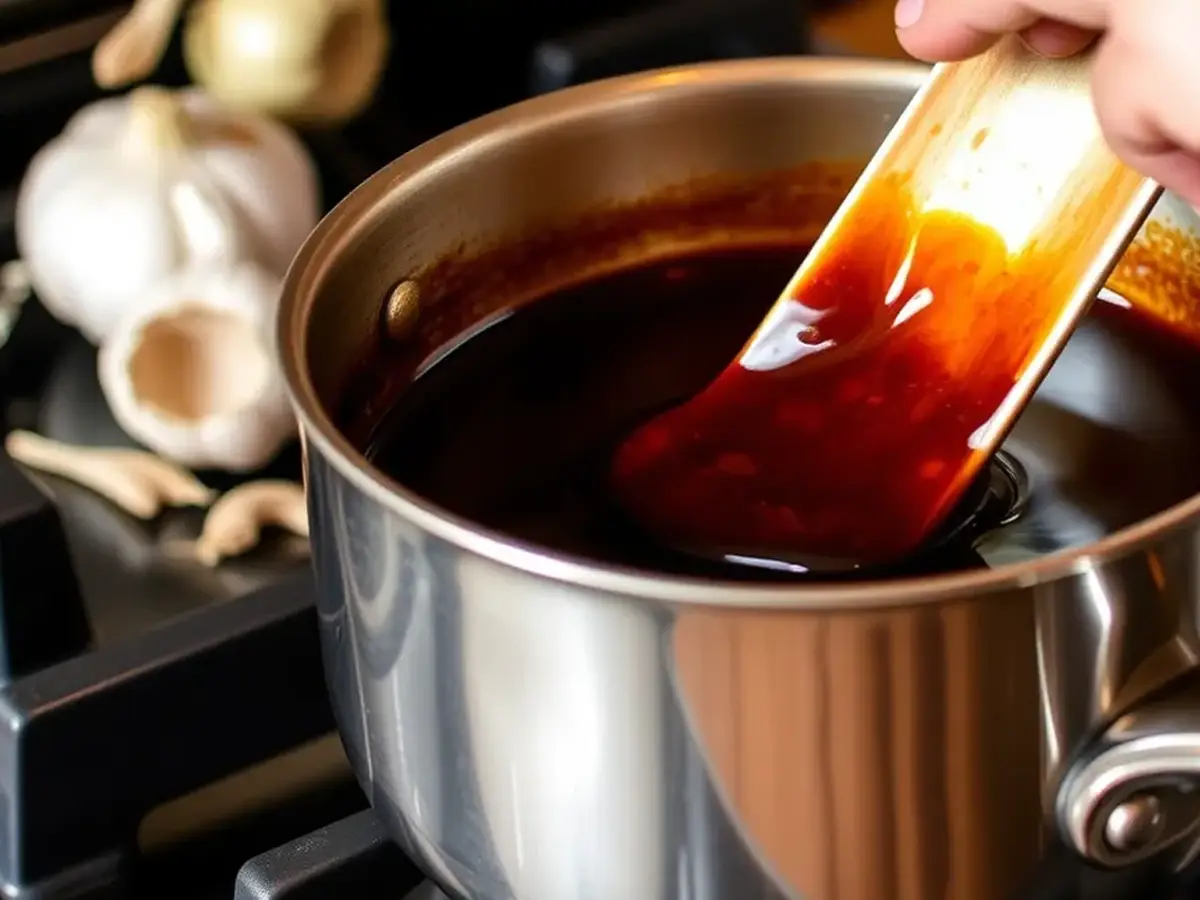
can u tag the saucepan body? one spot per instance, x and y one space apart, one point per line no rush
532 726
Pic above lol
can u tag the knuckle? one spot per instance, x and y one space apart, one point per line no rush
1121 108
1147 77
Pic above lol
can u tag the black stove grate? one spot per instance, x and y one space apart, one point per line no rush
49 623
351 858
89 746
355 858
672 33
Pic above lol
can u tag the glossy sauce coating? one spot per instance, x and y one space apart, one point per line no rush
850 426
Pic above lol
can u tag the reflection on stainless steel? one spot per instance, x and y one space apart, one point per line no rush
854 750
533 727
1139 783
1109 636
1134 824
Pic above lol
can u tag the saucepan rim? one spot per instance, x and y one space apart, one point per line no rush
350 217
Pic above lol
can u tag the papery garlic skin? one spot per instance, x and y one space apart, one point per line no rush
190 371
139 186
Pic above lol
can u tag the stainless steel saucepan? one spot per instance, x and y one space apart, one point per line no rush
536 727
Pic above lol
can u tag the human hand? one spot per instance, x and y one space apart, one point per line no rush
1146 80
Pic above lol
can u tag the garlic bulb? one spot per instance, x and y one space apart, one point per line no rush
316 61
189 371
139 186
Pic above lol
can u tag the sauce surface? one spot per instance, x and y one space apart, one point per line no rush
854 420
515 426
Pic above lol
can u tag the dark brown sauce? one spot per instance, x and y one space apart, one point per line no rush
853 423
515 427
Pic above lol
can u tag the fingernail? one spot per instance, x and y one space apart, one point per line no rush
1055 40
908 12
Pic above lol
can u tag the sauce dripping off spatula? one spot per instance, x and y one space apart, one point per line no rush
905 346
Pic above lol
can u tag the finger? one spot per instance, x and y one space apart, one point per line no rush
958 29
1176 170
1057 40
951 30
1138 99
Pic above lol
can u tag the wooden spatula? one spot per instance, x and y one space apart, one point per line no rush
905 346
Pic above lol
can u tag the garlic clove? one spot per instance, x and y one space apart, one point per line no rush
138 482
190 372
135 46
312 61
235 522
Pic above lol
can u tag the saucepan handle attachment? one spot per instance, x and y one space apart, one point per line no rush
1134 793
